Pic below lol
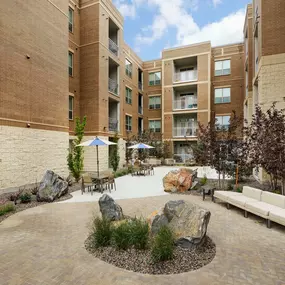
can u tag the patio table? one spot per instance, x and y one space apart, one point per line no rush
99 180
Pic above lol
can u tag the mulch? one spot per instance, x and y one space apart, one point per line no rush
184 260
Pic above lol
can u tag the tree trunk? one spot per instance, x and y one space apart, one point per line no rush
219 179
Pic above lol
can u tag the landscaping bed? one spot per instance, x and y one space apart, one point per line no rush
141 261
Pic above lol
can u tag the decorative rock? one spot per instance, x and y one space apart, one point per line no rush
178 180
157 219
173 208
190 227
110 209
194 184
51 187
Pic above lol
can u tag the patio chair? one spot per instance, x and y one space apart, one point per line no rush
136 168
111 182
87 182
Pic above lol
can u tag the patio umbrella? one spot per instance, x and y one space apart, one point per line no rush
97 142
141 146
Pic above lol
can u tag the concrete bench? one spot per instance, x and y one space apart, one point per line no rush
267 205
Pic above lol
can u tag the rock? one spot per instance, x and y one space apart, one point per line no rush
157 219
190 226
51 187
173 208
194 184
110 209
178 180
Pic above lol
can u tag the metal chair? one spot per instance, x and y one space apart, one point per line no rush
87 181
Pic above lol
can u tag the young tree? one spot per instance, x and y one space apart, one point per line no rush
266 143
115 157
75 155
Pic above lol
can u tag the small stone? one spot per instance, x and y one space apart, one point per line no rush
110 209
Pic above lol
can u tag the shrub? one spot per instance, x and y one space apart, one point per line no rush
163 245
230 186
204 180
121 237
26 198
239 189
35 189
139 233
16 195
101 232
6 208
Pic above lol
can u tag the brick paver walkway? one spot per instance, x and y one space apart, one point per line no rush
45 246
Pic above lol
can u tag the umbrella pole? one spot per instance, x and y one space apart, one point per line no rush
97 161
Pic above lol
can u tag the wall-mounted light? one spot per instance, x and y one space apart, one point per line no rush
28 125
28 56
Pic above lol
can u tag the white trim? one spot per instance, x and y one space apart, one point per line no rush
154 119
154 95
127 114
185 56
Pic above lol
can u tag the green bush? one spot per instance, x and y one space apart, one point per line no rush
121 236
204 180
6 208
163 245
26 198
230 186
239 189
122 172
101 232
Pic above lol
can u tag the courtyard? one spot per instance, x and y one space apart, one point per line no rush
45 245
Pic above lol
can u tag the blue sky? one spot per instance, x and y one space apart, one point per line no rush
152 25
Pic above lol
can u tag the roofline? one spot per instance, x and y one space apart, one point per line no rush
186 46
233 44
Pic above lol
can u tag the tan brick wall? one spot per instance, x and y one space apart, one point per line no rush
26 154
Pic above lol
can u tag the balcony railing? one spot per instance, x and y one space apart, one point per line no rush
140 85
113 86
191 75
140 110
113 47
182 157
113 125
187 103
184 131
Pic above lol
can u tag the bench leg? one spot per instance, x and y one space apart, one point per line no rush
228 206
268 224
245 214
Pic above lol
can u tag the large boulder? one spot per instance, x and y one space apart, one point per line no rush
51 187
110 209
178 180
188 221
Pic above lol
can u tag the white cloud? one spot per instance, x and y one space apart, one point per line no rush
128 8
217 2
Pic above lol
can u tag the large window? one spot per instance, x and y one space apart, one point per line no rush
128 123
128 95
70 19
154 78
222 67
70 110
154 102
70 63
222 122
129 68
155 126
222 95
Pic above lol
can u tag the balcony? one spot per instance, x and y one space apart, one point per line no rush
113 125
181 132
140 110
186 76
113 86
187 103
113 47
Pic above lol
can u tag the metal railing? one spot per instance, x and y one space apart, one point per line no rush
189 102
113 86
140 85
191 75
182 157
184 131
113 47
113 125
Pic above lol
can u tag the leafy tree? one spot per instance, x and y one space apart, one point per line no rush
75 155
115 157
266 143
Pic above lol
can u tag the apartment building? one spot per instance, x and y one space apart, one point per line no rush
77 64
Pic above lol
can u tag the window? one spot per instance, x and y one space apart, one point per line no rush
155 126
222 95
154 102
129 68
128 123
154 78
222 122
222 67
128 95
70 109
70 63
70 19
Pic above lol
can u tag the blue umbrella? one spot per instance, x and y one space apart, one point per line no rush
96 142
141 146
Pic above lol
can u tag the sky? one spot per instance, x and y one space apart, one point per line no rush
153 25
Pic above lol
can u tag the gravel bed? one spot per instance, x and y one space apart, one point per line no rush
140 260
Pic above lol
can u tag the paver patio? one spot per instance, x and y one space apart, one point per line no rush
45 245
